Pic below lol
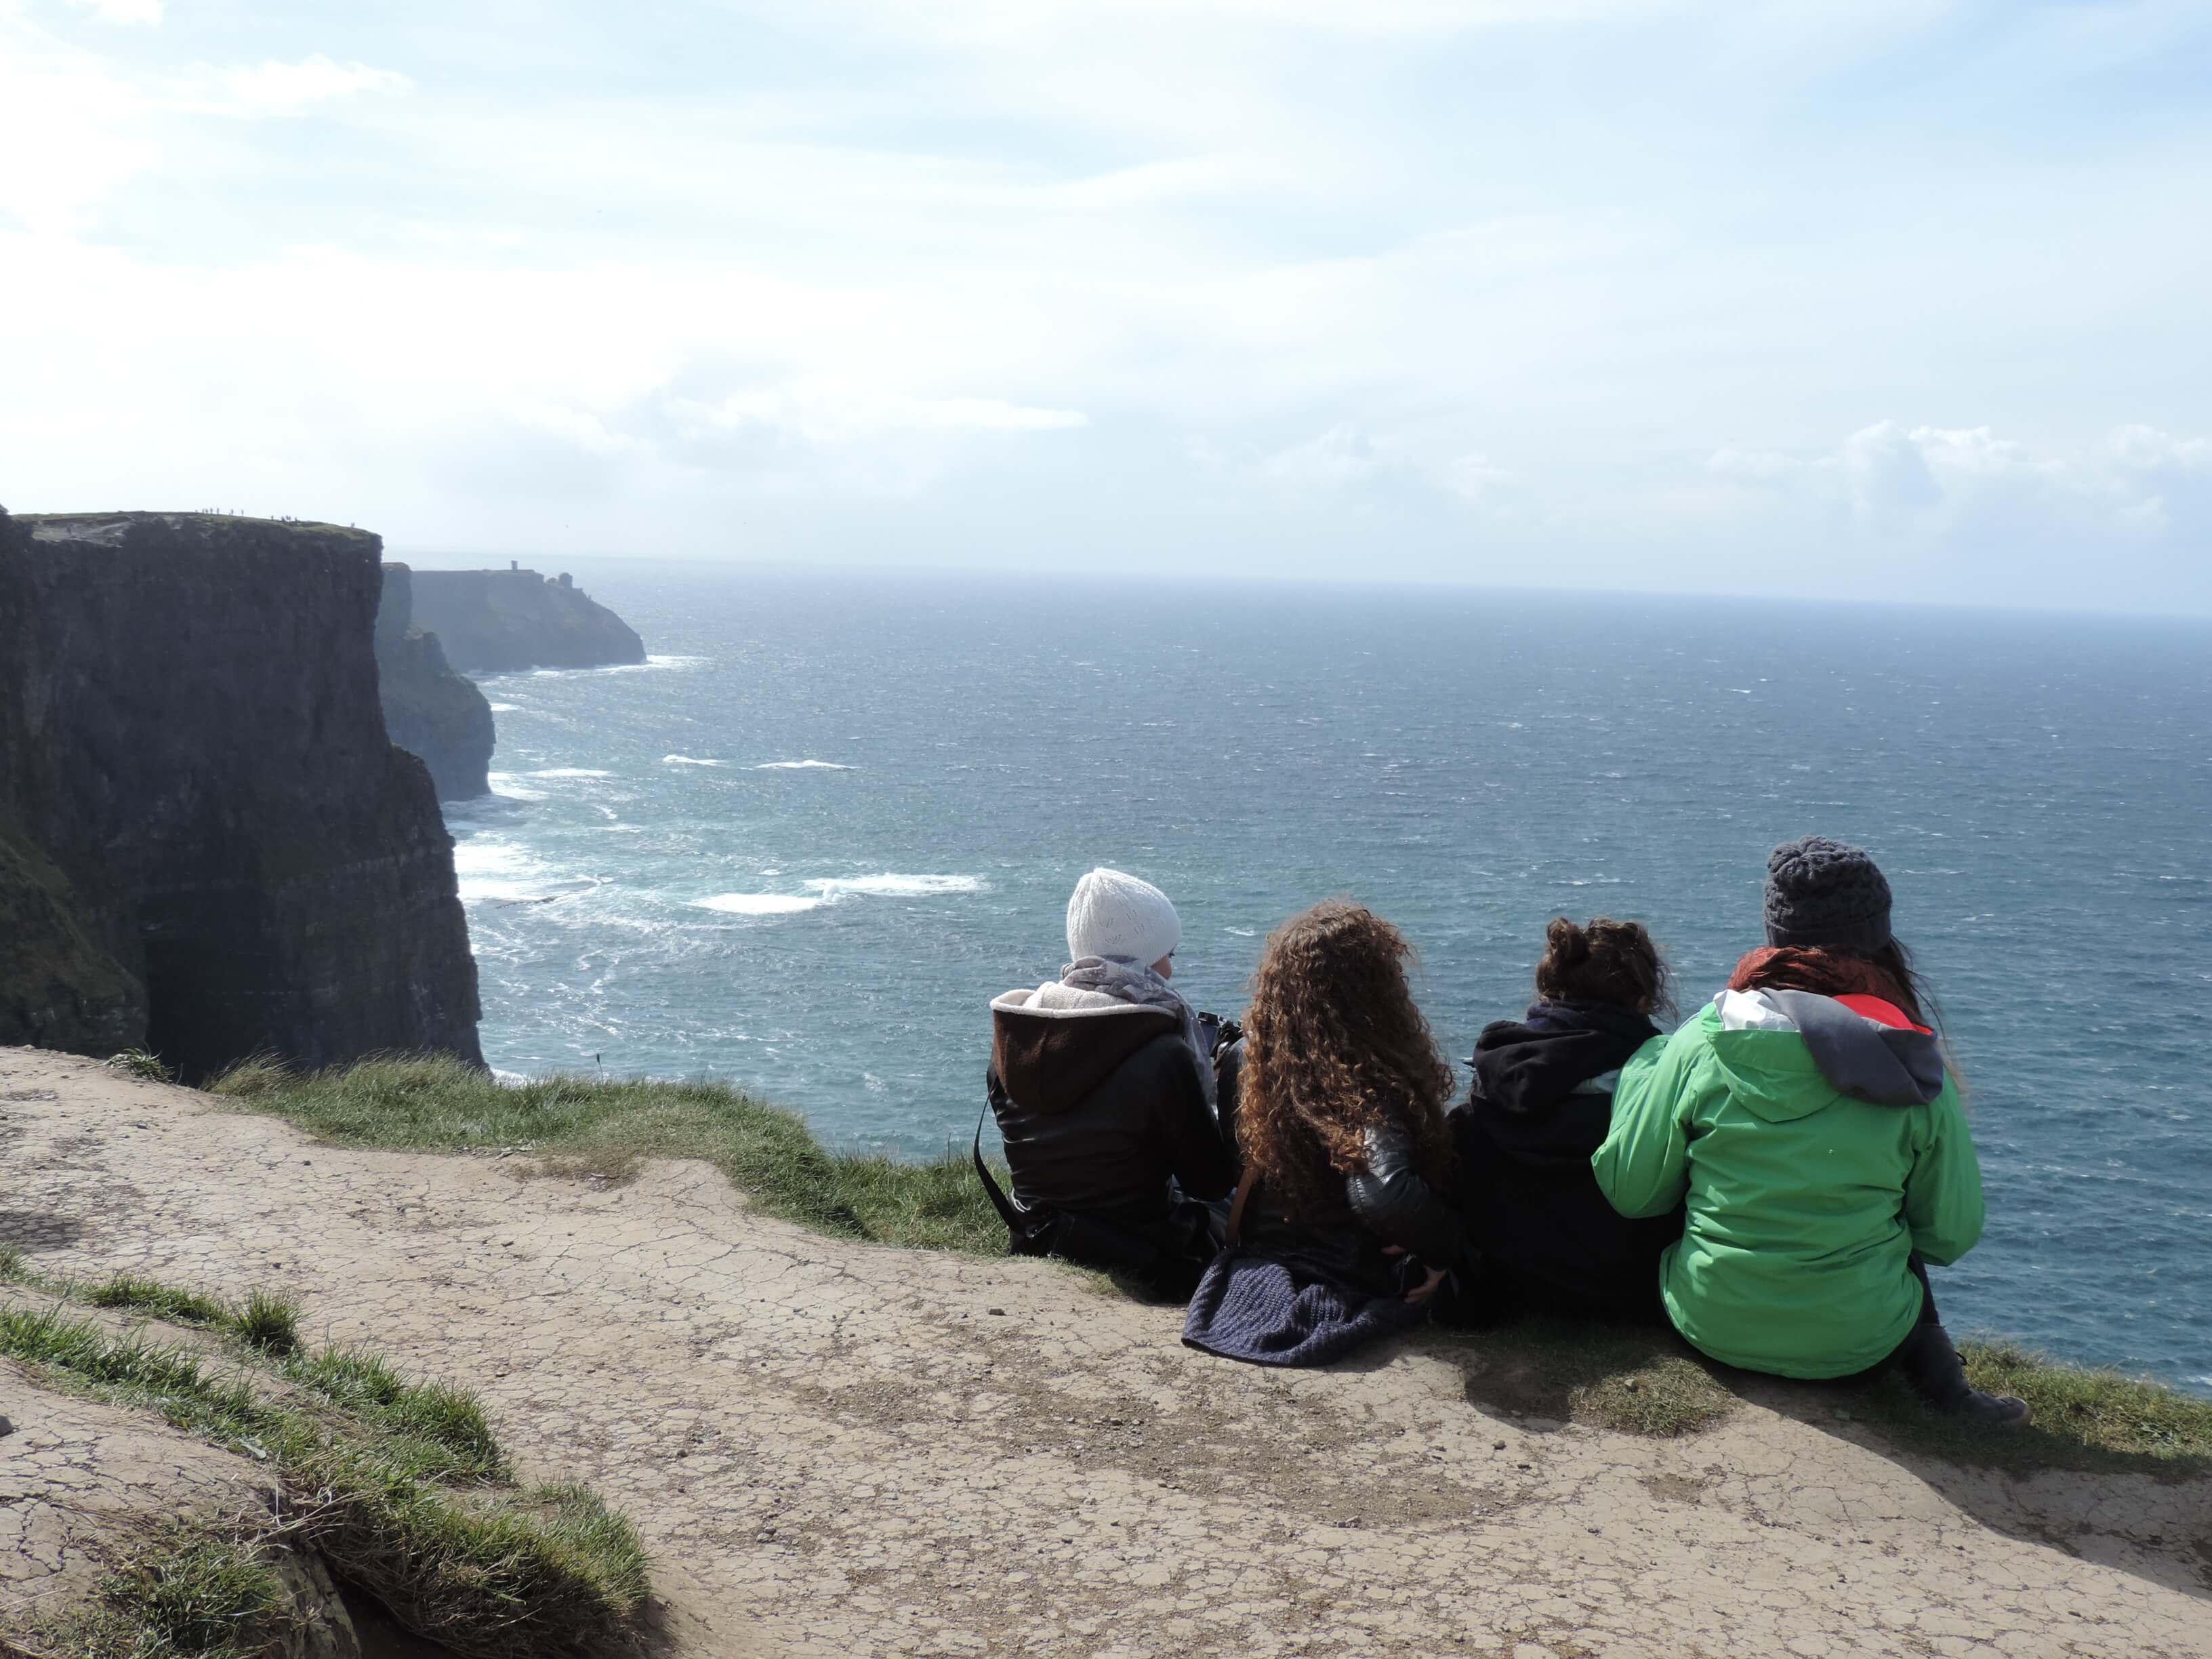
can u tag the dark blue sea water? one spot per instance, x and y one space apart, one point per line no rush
838 812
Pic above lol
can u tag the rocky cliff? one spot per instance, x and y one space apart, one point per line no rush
203 806
70 968
499 620
433 713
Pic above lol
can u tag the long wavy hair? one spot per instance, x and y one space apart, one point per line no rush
1334 1046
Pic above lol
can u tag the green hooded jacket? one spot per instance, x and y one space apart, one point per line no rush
1804 1202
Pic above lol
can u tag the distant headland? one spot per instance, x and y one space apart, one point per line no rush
500 622
432 623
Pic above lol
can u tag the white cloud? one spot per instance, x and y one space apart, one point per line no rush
1346 457
826 412
276 88
71 129
2146 449
124 11
1218 284
1931 483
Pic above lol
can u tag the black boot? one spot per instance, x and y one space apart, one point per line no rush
1931 1366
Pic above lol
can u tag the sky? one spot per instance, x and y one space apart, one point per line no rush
1879 298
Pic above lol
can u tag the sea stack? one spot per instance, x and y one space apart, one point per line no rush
498 621
218 849
434 713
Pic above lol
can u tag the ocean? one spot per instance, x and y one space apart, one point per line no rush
836 812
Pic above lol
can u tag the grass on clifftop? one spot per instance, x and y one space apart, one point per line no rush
605 1126
1634 1381
400 1485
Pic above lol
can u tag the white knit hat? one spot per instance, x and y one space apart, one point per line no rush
1114 914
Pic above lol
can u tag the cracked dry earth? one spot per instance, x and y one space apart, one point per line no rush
837 1450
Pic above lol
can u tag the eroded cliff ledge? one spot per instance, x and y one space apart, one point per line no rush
497 622
434 713
196 777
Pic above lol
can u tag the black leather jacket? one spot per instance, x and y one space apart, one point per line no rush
1386 1203
1390 1200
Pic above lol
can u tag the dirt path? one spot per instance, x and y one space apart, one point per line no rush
839 1450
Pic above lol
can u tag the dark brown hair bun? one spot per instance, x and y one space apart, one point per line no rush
1605 961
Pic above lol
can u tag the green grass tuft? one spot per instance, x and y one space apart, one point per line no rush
352 1377
439 1432
140 1062
604 1126
211 1598
2102 1410
1623 1377
147 1296
401 1486
269 1322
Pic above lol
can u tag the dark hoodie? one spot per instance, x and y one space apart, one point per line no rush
1541 1104
1100 1102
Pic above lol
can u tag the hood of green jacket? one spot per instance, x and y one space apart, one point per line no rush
1773 1074
1789 1054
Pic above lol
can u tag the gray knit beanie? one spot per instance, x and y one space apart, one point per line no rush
1821 892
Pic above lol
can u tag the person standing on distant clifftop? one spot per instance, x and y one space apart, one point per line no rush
1102 1082
1809 1118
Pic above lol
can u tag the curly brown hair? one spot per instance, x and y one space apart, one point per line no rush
1333 1045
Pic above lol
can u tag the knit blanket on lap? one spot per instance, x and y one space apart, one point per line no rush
1274 1310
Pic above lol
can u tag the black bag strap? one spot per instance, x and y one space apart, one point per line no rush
1016 1227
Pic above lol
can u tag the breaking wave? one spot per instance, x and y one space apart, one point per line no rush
760 904
835 890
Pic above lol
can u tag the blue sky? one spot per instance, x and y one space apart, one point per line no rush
1868 298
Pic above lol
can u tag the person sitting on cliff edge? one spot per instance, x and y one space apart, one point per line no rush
1103 1086
1539 1105
1809 1118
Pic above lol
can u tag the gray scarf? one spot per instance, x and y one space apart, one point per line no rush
1128 980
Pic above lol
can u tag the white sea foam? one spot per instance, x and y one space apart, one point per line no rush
652 660
836 890
687 760
506 707
570 772
506 785
489 871
760 904
801 766
895 886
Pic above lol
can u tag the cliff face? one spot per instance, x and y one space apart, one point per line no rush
499 620
192 741
433 713
69 965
